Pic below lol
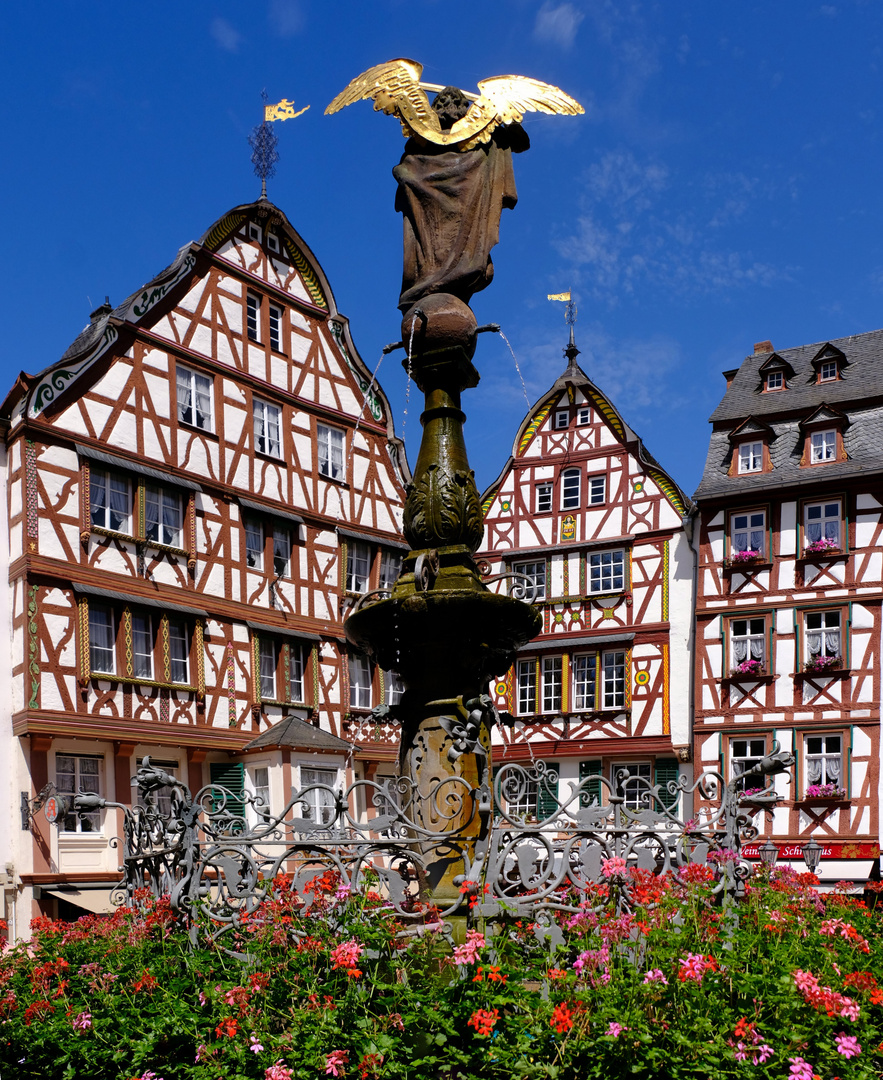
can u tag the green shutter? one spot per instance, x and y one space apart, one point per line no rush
667 770
231 776
590 795
547 791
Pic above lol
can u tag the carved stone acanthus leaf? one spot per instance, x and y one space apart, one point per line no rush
442 509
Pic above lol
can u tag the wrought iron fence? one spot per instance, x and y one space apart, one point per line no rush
218 850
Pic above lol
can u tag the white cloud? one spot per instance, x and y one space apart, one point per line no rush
225 35
557 25
286 17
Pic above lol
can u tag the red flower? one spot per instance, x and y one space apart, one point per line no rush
483 1020
38 1011
228 1026
146 982
370 1065
562 1018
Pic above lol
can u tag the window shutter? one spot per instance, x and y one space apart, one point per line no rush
667 770
547 791
591 793
229 775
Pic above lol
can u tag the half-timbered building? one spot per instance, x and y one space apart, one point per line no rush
585 515
196 491
788 618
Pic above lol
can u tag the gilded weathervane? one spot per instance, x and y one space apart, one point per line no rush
455 176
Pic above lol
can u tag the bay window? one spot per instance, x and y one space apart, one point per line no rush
319 803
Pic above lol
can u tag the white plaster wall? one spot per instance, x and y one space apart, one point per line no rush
681 600
788 528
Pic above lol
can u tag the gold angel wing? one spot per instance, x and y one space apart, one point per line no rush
395 89
514 95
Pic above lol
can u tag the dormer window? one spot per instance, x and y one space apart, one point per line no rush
823 446
828 363
751 457
775 380
828 371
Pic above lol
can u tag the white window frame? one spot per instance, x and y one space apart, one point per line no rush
361 679
824 637
194 392
267 419
255 542
167 503
394 687
571 485
390 568
297 654
536 571
754 633
83 780
551 671
750 457
613 680
318 806
745 753
606 572
823 520
273 242
821 758
257 783
584 415
544 497
253 317
275 317
255 232
330 443
584 677
358 566
775 380
102 621
828 371
179 650
562 419
526 687
636 796
268 664
741 536
281 552
823 446
112 487
597 486
143 645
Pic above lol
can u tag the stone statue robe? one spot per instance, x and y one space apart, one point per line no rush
451 204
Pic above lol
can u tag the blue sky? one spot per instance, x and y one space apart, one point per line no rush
724 186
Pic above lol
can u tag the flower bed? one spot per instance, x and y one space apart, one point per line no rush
676 990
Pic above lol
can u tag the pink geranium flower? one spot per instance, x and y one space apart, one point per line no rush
82 1022
468 953
335 1062
655 976
278 1072
799 1069
346 955
615 1030
847 1045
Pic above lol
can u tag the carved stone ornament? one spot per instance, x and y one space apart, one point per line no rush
443 509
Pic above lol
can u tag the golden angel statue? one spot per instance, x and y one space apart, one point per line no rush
456 174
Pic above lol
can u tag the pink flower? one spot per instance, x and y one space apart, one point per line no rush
799 1069
347 954
335 1062
278 1072
695 967
468 953
82 1022
254 1045
202 1052
655 976
615 1030
847 1045
614 867
203 1000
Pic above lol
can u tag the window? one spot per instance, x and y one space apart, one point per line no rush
360 681
252 316
744 755
544 498
320 803
528 797
296 666
536 571
822 446
281 552
527 687
824 760
822 636
266 427
570 489
275 317
585 668
606 571
748 645
828 371
562 419
583 415
142 645
268 657
179 651
751 457
613 680
254 544
358 566
550 676
102 639
260 786
330 443
748 534
775 380
76 774
394 687
390 568
163 516
110 501
273 242
194 398
597 489
631 780
821 524
254 232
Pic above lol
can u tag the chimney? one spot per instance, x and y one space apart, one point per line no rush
730 375
762 347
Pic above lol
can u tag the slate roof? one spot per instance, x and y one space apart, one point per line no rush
858 395
297 734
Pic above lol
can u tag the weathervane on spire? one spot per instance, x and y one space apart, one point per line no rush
263 140
571 352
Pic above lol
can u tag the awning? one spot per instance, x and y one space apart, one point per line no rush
272 511
96 901
564 641
134 598
136 467
286 631
384 541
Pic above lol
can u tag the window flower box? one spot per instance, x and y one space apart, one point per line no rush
747 556
766 796
817 792
747 669
821 547
818 665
